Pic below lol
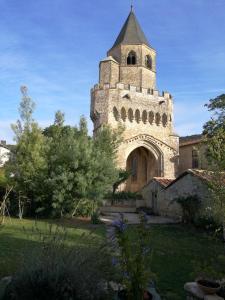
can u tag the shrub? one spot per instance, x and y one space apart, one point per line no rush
207 223
124 196
84 208
190 206
95 218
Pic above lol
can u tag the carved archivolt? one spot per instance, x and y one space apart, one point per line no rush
144 116
150 139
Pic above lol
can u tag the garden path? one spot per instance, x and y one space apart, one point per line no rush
133 218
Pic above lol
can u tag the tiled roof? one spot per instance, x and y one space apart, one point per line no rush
203 175
163 181
131 33
190 140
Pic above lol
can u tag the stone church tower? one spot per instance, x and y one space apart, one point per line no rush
127 94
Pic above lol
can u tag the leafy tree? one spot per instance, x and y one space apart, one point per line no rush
28 160
69 156
214 130
56 168
217 121
79 167
215 137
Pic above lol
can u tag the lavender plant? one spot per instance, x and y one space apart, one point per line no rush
134 259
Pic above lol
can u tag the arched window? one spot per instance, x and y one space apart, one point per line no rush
144 117
137 116
157 118
115 113
123 114
164 119
151 117
130 115
131 58
148 62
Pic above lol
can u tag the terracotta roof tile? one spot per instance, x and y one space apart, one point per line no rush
163 181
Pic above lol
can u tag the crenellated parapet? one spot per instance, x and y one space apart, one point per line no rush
129 104
131 88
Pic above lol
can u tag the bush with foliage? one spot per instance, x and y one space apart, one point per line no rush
190 206
124 196
57 272
207 223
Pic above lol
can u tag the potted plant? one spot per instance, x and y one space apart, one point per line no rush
209 287
211 275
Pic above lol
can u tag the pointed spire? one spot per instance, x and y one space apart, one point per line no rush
131 32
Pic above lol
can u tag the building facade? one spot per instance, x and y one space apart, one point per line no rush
4 153
192 150
126 94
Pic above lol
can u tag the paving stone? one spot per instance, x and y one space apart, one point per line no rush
193 289
213 297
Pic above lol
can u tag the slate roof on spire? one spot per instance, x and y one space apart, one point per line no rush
131 33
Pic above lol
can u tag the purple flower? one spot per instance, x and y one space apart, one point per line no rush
119 225
115 261
145 250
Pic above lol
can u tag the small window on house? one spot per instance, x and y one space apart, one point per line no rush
195 159
148 62
131 58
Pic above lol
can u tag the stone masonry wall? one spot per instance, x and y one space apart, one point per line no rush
144 114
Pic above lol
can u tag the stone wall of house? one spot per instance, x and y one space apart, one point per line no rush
186 160
185 186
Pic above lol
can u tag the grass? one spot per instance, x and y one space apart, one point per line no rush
177 250
18 238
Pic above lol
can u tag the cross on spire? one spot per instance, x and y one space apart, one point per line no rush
132 5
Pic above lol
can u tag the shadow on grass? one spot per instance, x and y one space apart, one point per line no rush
19 239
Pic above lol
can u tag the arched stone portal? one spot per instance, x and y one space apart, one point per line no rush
143 166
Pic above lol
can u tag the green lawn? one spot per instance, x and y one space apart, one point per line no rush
176 251
19 237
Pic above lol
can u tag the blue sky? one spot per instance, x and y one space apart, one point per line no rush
54 47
